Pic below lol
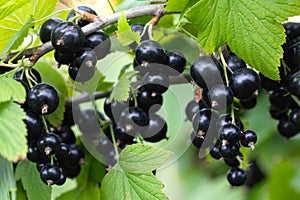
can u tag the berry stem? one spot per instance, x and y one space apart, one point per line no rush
114 140
111 6
134 97
45 124
225 66
296 99
232 114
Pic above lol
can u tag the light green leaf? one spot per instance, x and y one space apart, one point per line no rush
11 89
90 191
122 88
125 5
252 29
118 184
13 131
139 158
8 7
27 172
19 22
125 35
7 183
51 76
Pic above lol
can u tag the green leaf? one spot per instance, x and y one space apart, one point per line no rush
13 142
11 89
132 178
252 29
90 191
122 88
14 27
8 7
139 158
125 35
35 189
7 183
51 76
123 185
125 5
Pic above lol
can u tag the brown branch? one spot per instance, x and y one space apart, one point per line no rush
37 52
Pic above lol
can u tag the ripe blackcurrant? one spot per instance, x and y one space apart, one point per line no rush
244 83
294 117
149 102
236 176
292 83
34 125
138 28
113 108
81 22
176 62
150 51
157 129
202 121
156 82
234 62
191 109
229 151
227 118
219 97
50 174
63 58
229 134
34 155
42 99
248 103
100 43
280 98
67 37
80 74
214 152
47 27
286 128
66 134
74 158
248 138
63 151
33 73
49 143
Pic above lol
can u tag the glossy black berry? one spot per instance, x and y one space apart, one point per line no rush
34 155
150 51
63 58
47 27
42 99
206 71
63 151
34 125
50 174
191 109
121 134
244 83
88 122
286 128
291 56
214 152
149 102
280 98
292 30
236 176
33 73
134 119
66 134
100 43
74 158
248 138
248 103
229 134
227 118
234 62
219 97
138 28
86 58
292 83
277 113
67 37
71 172
156 130
49 144
229 151
62 179
81 22
176 63
156 82
294 117
204 120
113 108
235 162
80 74
267 83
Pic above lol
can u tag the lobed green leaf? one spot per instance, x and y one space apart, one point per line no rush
11 89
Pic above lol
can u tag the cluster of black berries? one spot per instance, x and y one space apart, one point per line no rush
284 95
212 125
55 152
73 48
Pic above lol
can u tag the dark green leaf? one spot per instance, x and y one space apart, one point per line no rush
7 183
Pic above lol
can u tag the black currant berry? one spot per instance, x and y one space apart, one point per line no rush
81 22
80 74
74 158
248 103
63 151
229 151
292 30
248 138
214 152
49 143
71 172
234 62
219 97
176 63
33 73
120 134
62 179
113 108
134 119
66 134
286 128
267 83
206 71
150 51
229 134
100 43
236 176
156 82
191 109
227 118
202 121
149 102
294 117
280 98
86 58
34 125
47 27
291 56
42 99
157 129
50 174
34 155
67 37
235 162
292 83
88 122
138 28
63 58
244 83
